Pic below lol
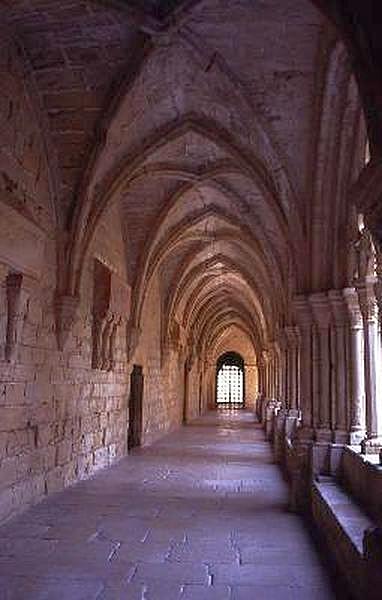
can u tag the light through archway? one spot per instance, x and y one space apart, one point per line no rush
230 381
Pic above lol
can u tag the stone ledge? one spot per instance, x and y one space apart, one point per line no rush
347 530
352 520
361 475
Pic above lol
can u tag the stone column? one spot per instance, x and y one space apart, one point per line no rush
356 368
340 364
322 316
262 382
276 371
372 356
271 391
265 373
304 320
283 369
293 342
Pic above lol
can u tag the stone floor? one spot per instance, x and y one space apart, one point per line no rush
202 514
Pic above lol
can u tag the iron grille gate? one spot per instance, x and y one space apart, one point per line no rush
230 387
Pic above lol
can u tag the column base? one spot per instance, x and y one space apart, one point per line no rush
324 435
293 412
305 434
340 436
371 445
356 437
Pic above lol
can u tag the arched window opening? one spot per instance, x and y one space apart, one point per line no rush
230 383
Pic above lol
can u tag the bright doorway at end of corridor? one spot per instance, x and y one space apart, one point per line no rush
230 381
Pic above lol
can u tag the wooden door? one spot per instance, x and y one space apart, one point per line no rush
135 407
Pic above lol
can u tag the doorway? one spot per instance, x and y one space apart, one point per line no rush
230 381
135 407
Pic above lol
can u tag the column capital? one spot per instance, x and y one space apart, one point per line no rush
339 307
292 335
353 307
367 301
302 311
320 309
281 339
65 308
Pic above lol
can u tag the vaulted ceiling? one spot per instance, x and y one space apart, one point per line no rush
204 120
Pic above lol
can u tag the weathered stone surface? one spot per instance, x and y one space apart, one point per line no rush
154 525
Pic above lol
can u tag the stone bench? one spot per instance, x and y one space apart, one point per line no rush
353 540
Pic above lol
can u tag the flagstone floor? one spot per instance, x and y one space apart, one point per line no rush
201 514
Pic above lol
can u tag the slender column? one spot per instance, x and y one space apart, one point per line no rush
340 387
293 340
283 361
277 367
271 375
275 373
322 316
260 376
286 378
266 374
369 310
357 372
304 320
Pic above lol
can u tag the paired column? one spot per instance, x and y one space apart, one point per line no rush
372 366
292 336
356 367
321 375
304 320
340 360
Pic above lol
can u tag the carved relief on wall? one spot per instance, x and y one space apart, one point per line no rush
17 289
106 319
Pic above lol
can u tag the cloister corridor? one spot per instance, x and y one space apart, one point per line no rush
201 514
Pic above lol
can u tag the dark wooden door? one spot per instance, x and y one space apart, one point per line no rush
135 407
200 393
185 392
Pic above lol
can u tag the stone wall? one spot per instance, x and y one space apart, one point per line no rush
163 374
61 420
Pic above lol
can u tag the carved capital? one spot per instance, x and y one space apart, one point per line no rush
368 302
282 339
353 307
321 309
339 307
65 307
190 361
292 335
302 311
